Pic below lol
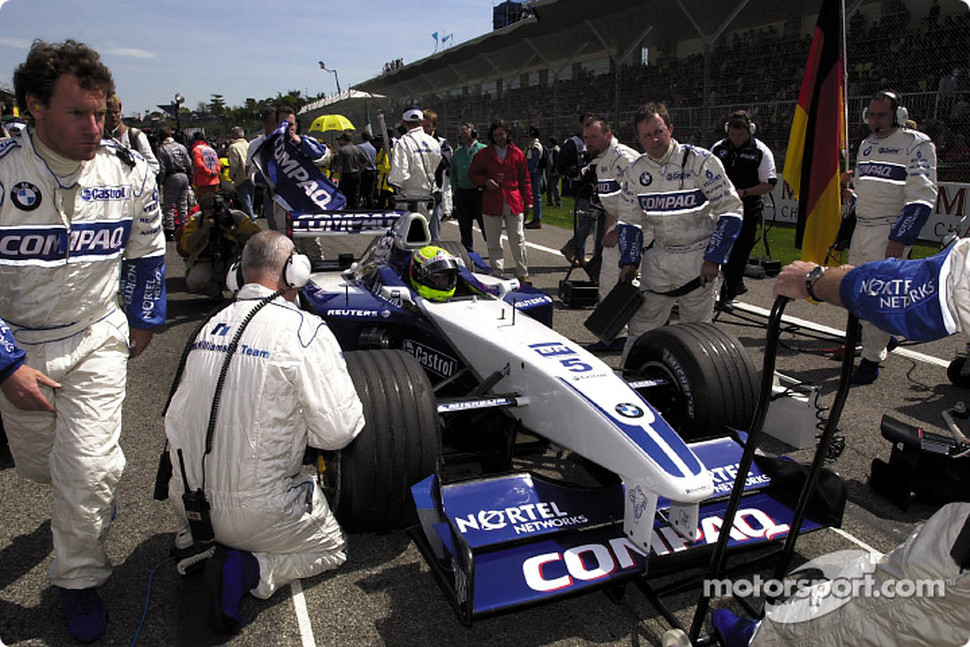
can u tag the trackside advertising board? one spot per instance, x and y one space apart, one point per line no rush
950 213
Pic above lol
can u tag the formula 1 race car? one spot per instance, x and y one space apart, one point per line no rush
471 380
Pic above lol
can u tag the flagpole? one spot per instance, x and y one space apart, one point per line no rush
845 92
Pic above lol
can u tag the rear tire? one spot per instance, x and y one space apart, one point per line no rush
711 381
369 482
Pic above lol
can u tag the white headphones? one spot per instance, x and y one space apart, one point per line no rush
740 116
900 113
296 272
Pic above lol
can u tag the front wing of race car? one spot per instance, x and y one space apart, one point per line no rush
504 542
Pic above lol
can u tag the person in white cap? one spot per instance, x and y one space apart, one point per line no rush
413 163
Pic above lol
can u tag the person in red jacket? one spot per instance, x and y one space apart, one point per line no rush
502 170
205 168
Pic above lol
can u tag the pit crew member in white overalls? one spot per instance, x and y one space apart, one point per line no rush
414 160
79 225
286 387
895 186
610 159
690 215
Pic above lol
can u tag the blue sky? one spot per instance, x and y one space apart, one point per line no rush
240 48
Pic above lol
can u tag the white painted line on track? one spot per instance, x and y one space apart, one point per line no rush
855 540
811 325
541 248
302 616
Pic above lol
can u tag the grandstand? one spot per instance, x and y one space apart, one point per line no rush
704 58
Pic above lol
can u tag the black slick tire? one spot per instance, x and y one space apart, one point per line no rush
368 483
711 382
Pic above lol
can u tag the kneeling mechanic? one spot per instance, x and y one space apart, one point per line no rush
286 386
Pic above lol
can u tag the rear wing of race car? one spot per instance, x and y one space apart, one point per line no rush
402 230
333 223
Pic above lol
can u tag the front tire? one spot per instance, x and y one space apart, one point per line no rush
711 381
369 482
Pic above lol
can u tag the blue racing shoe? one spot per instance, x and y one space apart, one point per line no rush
87 618
735 631
229 575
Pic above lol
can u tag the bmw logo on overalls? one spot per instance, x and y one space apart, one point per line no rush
628 410
26 196
646 179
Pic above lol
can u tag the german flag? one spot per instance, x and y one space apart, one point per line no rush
817 134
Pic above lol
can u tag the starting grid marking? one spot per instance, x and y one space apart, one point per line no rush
302 615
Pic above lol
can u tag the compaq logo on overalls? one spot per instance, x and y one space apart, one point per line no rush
46 244
669 201
883 171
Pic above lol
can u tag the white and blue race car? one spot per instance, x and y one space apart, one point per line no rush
450 384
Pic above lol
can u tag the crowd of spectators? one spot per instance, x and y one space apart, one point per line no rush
926 59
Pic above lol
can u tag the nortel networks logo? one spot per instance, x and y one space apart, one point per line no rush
102 193
897 294
524 519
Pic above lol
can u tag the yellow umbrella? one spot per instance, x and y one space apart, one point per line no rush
325 123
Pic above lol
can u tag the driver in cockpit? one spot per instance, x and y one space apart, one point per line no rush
433 273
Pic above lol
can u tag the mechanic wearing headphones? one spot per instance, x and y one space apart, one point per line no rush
895 185
751 168
690 216
287 387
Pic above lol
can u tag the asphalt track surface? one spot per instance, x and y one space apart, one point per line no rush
385 594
